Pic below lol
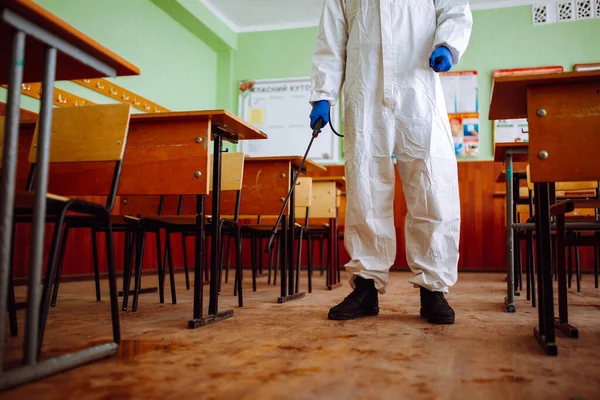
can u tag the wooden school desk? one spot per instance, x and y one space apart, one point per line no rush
65 54
557 106
223 126
268 200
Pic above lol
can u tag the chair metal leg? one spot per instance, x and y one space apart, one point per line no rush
126 236
95 261
596 258
297 287
570 257
276 263
171 273
185 261
517 263
309 257
63 245
577 263
161 273
221 262
527 267
112 281
562 322
253 256
227 258
270 272
322 251
238 269
140 244
532 270
260 255
312 250
130 240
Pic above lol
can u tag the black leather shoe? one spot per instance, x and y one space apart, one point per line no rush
362 302
435 309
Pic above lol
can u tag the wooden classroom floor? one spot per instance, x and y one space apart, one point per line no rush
291 351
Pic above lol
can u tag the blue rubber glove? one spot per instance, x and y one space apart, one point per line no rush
441 59
320 110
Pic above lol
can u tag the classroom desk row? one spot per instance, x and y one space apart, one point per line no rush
556 105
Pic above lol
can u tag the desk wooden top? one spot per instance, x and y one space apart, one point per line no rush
500 151
509 93
67 68
224 120
309 165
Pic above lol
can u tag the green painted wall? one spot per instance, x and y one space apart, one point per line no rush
501 38
178 70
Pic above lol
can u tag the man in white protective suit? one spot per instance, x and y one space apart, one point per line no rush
387 54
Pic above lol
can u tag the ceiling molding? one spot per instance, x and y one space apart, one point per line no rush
224 19
276 27
481 5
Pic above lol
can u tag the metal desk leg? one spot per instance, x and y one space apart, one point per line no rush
213 305
562 323
510 256
9 171
198 320
545 332
39 209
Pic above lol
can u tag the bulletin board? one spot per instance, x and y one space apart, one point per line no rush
281 109
517 130
461 92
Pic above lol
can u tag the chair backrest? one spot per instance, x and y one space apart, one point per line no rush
232 171
84 140
324 200
86 134
303 192
303 198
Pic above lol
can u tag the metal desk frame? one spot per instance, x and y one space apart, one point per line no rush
32 369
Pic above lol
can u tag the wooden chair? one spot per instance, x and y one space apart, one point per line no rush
577 191
133 209
185 223
323 225
261 230
82 137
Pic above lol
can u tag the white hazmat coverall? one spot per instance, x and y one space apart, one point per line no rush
394 104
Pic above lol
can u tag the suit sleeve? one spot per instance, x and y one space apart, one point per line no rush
454 24
329 58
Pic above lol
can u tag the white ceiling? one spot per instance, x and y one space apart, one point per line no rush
266 15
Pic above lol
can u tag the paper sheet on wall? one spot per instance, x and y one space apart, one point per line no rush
465 134
460 91
281 109
511 130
